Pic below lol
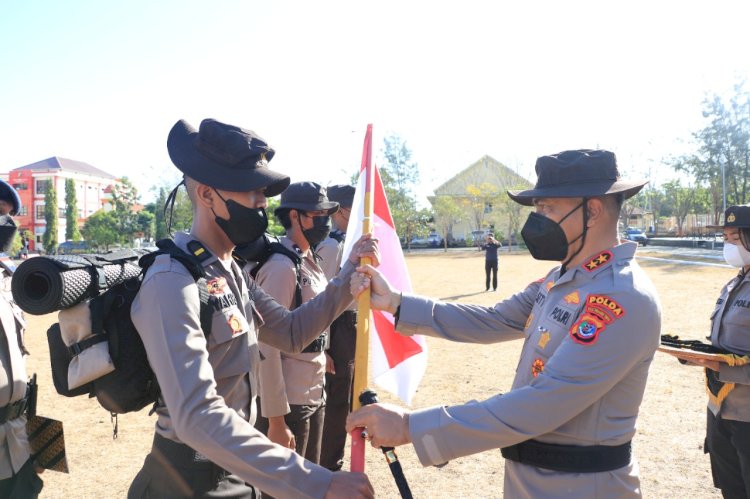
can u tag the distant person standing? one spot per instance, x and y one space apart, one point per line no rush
490 247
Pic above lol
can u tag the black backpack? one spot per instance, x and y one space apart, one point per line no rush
132 384
254 255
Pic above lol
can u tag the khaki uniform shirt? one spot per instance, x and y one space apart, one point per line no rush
330 251
589 338
730 330
208 385
14 443
290 378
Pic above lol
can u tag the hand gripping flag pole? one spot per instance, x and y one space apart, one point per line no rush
361 357
362 353
368 397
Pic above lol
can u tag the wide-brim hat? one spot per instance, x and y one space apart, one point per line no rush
306 196
343 194
224 157
579 173
9 195
735 216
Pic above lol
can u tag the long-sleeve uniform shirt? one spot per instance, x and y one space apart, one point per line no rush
208 385
290 378
14 443
730 330
589 338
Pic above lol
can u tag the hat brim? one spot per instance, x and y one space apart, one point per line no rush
184 155
628 188
330 206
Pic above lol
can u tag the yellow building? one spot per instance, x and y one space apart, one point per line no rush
474 201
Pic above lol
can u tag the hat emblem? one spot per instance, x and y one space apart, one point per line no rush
731 218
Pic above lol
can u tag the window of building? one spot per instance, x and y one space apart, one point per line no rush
21 186
42 185
61 212
23 211
39 212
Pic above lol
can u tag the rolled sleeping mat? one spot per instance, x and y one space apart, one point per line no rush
49 283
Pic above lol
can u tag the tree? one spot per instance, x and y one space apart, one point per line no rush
49 239
124 198
722 161
102 229
182 213
447 212
682 200
399 174
145 223
71 212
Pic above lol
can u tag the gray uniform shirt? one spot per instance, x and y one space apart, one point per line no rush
730 330
208 385
14 442
329 250
290 378
589 338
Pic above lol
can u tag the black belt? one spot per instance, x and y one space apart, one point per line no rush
318 345
569 458
14 410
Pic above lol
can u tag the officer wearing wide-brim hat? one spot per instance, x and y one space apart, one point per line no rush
18 477
590 329
728 386
205 443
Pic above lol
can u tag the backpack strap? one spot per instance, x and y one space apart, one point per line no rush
194 264
277 247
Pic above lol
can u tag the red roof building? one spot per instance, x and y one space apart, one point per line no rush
31 182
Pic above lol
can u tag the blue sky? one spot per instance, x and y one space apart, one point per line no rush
103 82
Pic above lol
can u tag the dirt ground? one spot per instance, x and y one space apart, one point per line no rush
668 444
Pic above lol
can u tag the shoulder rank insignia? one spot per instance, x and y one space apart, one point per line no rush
537 367
599 260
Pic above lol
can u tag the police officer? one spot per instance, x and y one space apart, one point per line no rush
342 338
17 472
728 425
590 330
291 385
205 443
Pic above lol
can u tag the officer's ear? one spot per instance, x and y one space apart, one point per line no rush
205 195
596 211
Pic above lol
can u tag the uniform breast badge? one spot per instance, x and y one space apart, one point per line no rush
543 338
217 286
537 367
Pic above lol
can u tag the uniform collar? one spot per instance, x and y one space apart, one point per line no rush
597 263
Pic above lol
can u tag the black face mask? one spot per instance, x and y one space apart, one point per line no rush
545 238
8 231
319 231
245 225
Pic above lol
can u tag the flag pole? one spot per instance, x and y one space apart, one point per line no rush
362 353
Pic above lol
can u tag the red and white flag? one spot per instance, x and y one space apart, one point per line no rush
398 362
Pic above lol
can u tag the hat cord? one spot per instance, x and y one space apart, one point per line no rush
169 206
582 237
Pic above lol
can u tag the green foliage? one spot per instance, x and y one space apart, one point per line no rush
274 227
49 240
399 174
71 212
145 224
182 213
102 229
447 213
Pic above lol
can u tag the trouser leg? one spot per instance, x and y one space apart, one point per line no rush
26 483
339 390
726 464
494 275
487 270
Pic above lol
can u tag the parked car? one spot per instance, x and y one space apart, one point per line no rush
636 235
74 248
